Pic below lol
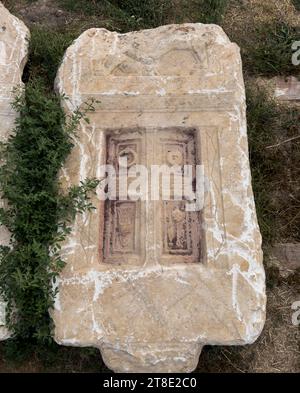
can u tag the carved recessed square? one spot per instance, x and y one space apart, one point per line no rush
161 231
122 231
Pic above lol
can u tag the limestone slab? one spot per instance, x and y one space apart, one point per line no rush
13 53
287 88
149 312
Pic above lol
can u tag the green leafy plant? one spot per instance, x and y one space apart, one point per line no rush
37 213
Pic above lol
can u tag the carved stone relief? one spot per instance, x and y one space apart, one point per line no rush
179 234
148 282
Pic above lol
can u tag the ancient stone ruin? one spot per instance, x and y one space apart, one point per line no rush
148 281
13 53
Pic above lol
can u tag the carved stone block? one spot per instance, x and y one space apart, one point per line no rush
148 281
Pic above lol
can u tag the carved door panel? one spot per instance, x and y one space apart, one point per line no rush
151 230
179 230
124 219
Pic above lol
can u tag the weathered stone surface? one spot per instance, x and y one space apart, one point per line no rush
13 51
287 88
288 254
151 313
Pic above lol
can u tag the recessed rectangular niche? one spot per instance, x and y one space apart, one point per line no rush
160 231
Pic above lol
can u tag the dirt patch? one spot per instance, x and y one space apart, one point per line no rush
45 13
243 16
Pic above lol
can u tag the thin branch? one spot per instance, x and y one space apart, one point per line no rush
281 143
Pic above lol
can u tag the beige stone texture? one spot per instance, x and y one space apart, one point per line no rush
155 315
287 88
13 54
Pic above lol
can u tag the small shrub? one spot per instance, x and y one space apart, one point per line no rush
37 214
